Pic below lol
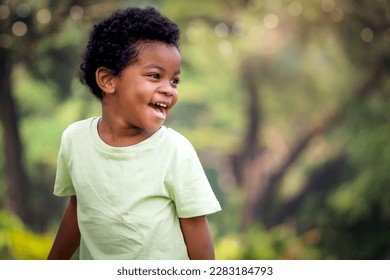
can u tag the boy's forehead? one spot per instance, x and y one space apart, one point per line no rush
149 51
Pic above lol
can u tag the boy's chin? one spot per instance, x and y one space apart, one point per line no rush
154 128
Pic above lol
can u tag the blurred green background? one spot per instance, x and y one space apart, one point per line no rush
286 102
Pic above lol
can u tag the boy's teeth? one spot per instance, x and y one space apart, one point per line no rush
161 104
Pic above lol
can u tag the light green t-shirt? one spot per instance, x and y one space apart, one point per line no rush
129 199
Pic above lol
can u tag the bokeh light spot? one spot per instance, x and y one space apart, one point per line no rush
43 16
238 28
221 30
5 41
295 8
4 12
328 5
225 47
19 28
76 12
367 34
271 21
23 10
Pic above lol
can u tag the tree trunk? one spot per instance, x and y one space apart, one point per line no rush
17 182
245 164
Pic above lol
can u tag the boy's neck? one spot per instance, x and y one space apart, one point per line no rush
118 135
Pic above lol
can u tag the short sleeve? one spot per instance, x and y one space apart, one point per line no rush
63 183
193 194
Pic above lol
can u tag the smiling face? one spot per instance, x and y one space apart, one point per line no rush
145 91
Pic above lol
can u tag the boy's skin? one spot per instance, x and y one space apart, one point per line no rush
129 116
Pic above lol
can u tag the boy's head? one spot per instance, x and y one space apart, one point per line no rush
114 42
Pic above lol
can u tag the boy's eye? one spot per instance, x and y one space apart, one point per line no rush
175 81
155 76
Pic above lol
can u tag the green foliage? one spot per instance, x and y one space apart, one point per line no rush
2 173
17 242
358 211
258 243
26 245
305 68
8 224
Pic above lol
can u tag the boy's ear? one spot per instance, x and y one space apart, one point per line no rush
105 80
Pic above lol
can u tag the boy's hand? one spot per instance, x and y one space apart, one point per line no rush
68 236
197 236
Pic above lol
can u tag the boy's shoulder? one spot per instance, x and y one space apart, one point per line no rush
178 144
78 127
177 138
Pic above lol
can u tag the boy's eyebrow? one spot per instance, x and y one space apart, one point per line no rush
150 66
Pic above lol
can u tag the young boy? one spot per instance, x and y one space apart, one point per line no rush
137 189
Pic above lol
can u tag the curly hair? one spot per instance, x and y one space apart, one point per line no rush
113 42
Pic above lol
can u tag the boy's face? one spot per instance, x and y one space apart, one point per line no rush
146 90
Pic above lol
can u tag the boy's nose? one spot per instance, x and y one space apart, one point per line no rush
167 89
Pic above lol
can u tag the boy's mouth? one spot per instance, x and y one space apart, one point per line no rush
160 108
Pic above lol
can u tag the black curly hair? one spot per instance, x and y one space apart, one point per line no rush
113 42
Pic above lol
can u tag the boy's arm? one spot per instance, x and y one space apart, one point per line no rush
68 236
197 236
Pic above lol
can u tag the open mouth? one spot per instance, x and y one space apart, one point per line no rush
160 108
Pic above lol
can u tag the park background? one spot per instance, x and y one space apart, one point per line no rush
285 101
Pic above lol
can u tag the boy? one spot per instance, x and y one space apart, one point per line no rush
137 189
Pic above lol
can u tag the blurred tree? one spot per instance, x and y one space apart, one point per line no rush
357 23
32 35
362 28
305 68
